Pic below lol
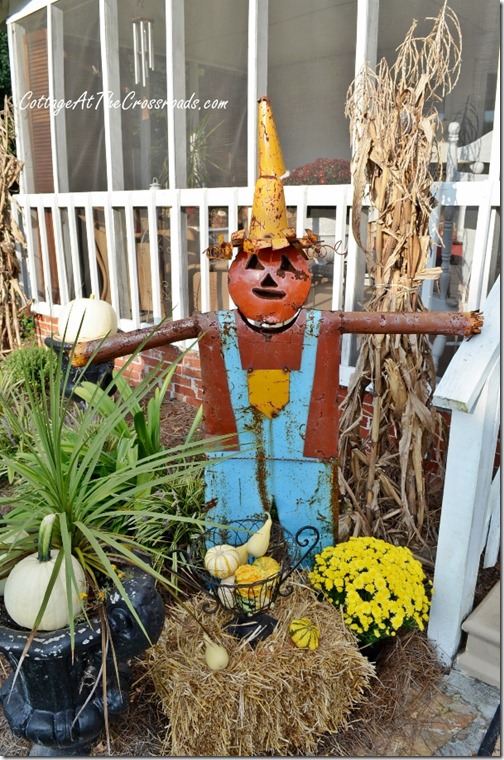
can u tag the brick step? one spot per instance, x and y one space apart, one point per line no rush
481 658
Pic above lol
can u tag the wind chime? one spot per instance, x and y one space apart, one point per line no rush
143 48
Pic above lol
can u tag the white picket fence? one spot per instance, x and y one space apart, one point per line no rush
470 514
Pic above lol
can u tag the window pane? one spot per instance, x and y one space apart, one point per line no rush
191 225
143 66
32 96
78 80
311 52
471 102
216 74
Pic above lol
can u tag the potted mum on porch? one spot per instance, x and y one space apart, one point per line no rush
381 588
81 482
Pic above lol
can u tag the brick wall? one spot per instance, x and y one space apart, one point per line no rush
186 383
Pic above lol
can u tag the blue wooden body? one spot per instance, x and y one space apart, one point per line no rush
270 467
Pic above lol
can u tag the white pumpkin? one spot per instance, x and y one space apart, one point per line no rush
222 560
98 320
9 538
27 584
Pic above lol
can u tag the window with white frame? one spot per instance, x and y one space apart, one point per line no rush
311 60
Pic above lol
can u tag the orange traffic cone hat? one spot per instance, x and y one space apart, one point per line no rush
270 159
268 222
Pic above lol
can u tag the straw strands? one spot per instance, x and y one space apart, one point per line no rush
13 301
393 122
274 698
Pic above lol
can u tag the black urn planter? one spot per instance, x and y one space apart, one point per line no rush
100 373
57 701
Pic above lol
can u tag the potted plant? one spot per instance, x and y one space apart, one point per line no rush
380 588
322 171
81 482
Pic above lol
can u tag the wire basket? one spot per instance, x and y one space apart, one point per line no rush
250 599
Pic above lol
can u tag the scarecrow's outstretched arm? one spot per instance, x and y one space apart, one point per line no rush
427 322
430 323
125 343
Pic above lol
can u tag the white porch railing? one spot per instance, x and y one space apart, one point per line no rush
470 514
67 246
56 262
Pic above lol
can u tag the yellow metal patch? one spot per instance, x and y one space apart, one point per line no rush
268 390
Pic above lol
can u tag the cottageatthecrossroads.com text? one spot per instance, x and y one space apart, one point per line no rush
129 102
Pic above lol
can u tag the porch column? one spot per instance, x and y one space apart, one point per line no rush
175 91
109 41
257 83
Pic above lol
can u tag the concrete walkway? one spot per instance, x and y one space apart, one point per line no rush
452 723
470 706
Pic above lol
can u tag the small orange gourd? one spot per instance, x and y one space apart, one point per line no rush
248 574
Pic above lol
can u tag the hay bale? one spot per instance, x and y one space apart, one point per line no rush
271 699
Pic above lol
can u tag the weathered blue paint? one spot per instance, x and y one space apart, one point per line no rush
270 466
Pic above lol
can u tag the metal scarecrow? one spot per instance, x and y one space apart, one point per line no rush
270 368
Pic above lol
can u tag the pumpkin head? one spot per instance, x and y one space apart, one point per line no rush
27 584
270 286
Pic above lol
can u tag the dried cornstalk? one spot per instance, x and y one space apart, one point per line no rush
393 122
13 301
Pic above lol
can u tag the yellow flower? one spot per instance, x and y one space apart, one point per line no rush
380 587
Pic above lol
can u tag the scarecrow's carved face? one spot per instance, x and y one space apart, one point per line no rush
269 286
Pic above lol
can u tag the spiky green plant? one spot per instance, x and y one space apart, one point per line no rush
90 472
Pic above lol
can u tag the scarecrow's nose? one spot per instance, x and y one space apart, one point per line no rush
268 282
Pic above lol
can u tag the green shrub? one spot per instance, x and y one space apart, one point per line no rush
27 328
30 362
27 364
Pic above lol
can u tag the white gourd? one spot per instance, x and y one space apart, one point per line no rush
28 581
221 560
242 553
98 320
216 656
226 595
258 543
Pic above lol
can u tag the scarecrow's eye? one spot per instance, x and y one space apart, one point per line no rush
253 263
286 265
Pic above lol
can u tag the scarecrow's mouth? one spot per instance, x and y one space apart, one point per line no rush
275 295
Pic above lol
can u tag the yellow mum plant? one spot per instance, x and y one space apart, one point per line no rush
379 587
